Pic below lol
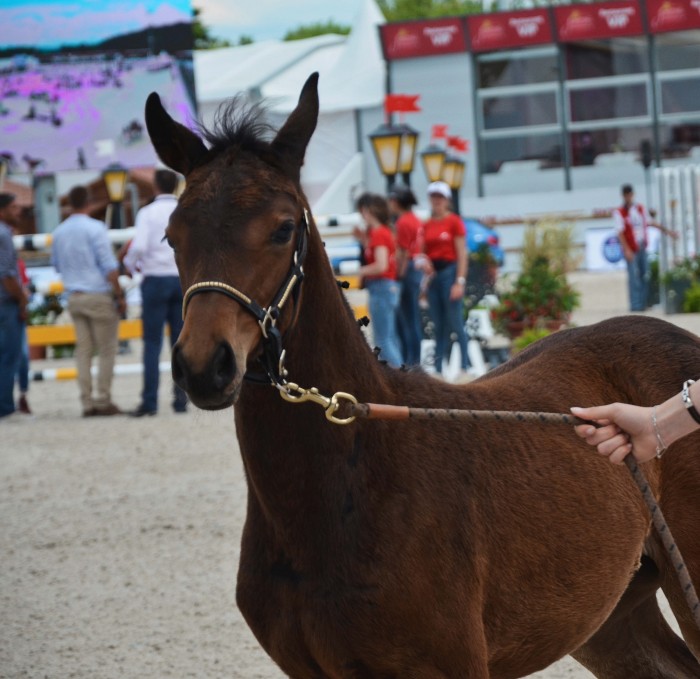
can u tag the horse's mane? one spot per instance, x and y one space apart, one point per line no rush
238 123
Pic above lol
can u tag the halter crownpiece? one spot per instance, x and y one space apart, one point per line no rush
272 358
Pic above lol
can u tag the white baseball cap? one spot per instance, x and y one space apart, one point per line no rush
441 188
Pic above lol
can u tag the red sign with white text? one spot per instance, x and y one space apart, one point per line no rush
598 20
509 29
673 15
423 38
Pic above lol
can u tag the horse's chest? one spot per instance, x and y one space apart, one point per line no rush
298 624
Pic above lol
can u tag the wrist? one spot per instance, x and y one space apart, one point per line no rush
461 280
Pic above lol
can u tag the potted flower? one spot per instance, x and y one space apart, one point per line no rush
678 280
541 296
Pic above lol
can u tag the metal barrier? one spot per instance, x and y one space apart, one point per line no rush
679 192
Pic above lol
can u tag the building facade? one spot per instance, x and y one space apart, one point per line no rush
559 101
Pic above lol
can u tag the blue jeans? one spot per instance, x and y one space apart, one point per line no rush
10 351
161 302
383 304
23 366
408 319
447 315
638 281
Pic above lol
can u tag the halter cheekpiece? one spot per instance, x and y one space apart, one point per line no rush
272 357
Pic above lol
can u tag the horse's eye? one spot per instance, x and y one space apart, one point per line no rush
168 241
284 232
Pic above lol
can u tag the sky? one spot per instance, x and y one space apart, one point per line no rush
48 23
270 19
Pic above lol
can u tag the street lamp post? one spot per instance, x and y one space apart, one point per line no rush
115 176
433 157
407 153
453 174
395 149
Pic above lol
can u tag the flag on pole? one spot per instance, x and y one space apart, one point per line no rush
401 103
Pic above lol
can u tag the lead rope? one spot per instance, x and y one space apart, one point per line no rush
377 411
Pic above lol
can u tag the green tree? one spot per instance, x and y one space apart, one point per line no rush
402 10
203 39
319 28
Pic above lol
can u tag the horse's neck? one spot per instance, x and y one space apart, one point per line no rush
294 457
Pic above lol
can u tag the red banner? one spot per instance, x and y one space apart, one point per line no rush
423 38
598 20
458 144
439 132
509 29
401 103
673 15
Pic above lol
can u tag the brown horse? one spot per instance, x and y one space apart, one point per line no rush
415 549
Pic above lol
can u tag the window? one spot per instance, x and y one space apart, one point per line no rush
677 51
608 146
545 150
603 58
519 110
680 95
608 101
517 68
681 140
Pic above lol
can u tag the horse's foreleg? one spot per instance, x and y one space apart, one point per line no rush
636 641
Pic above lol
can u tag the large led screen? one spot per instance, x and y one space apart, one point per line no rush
74 78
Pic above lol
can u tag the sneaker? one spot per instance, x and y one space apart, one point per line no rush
90 412
23 406
142 411
108 410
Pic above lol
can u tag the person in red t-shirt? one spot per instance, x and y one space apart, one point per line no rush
445 245
379 276
409 243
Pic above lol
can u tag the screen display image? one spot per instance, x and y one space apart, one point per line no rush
74 78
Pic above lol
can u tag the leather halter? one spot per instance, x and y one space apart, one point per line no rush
273 355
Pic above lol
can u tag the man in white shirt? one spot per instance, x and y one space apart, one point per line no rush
82 253
161 294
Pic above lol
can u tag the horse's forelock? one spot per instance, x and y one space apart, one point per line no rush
238 123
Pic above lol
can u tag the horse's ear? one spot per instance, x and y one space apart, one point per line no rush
292 139
178 147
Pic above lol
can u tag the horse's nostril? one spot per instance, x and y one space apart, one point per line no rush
223 366
179 367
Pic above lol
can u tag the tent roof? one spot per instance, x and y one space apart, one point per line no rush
222 73
351 69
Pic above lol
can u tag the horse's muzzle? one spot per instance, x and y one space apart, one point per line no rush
212 386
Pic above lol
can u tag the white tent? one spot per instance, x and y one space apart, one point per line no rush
351 92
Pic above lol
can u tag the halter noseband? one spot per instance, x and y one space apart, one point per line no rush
273 355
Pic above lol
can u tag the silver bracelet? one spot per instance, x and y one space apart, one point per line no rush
660 445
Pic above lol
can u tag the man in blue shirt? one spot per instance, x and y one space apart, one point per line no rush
13 306
83 255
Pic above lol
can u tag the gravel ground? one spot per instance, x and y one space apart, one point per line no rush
120 541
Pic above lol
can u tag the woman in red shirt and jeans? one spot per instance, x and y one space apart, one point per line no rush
409 243
445 245
379 275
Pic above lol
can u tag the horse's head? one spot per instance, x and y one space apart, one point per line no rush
236 231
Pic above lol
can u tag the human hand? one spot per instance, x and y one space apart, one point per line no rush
456 291
624 428
121 305
359 234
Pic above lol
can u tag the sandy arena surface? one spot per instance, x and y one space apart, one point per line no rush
120 541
